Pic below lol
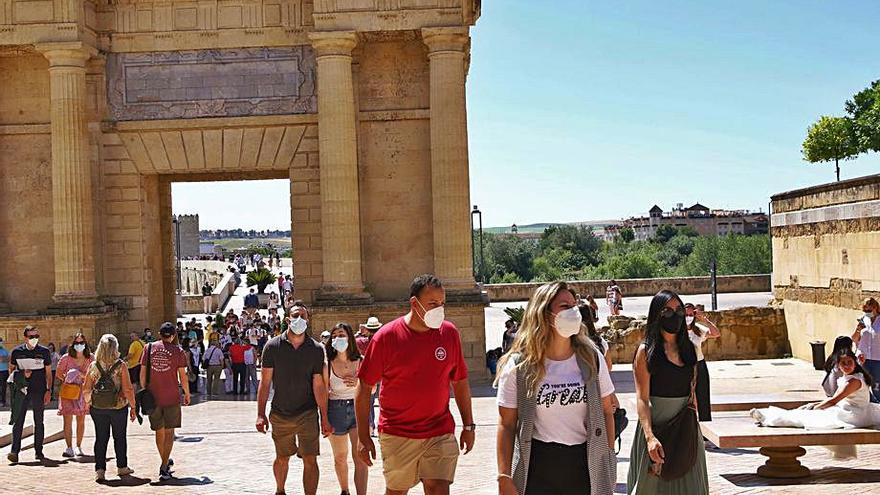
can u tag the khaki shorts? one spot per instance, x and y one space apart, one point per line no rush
406 461
296 435
165 417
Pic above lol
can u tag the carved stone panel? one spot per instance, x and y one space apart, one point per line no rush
211 83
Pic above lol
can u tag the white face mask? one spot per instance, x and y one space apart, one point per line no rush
79 347
33 342
340 344
433 318
299 326
568 322
689 320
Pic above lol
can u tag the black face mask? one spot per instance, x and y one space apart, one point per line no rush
672 323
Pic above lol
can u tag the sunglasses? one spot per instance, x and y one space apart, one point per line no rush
668 312
33 336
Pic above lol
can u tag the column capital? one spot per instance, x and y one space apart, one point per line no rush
446 39
333 43
66 54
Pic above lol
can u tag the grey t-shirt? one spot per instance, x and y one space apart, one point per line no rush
293 372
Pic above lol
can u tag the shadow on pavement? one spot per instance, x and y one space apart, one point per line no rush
46 462
204 480
125 481
824 476
86 459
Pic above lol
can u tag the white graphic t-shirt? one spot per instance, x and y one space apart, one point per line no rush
562 399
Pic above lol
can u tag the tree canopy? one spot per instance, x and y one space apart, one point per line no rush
830 139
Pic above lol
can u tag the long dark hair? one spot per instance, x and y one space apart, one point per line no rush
352 351
72 352
841 343
869 380
654 341
587 321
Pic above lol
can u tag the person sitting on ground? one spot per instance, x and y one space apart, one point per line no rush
832 372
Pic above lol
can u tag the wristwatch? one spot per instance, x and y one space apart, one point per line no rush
470 427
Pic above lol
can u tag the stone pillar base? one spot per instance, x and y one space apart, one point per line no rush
77 307
61 327
331 297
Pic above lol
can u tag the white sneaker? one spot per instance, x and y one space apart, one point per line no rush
99 475
124 471
79 452
68 452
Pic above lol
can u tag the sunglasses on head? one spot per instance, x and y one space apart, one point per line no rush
667 312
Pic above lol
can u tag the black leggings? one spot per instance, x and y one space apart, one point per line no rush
556 469
704 405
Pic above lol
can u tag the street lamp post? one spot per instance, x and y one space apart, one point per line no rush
476 211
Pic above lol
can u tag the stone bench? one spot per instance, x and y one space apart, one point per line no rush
782 446
746 402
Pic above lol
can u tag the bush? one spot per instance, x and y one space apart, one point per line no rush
262 278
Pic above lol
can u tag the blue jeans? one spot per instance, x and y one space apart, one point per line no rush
872 366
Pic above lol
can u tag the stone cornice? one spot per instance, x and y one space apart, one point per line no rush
333 43
446 39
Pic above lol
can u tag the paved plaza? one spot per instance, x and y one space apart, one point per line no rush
220 452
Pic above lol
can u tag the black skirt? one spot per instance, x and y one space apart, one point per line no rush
556 469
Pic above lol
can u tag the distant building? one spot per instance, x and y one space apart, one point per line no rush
700 218
189 236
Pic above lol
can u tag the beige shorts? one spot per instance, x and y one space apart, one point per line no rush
406 461
296 435
165 417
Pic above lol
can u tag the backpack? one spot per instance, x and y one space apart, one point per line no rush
105 391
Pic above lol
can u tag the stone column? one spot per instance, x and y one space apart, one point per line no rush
72 203
453 262
337 153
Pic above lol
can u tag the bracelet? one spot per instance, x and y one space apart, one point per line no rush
504 475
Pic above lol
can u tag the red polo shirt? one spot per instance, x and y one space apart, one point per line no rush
416 369
236 353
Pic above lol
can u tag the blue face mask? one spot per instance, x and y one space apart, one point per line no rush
340 344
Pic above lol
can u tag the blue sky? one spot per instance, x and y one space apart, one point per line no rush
588 110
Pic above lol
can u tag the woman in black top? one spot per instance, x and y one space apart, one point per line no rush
664 369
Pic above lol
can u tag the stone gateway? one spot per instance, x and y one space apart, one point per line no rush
359 104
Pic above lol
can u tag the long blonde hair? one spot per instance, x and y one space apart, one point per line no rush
536 333
107 352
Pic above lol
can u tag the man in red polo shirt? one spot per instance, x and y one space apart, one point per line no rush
239 368
416 357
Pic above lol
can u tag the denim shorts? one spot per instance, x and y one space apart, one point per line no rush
341 416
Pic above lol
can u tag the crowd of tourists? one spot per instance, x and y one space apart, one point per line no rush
559 417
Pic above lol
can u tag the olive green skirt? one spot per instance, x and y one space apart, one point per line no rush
640 481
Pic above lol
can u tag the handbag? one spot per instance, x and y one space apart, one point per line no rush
70 391
620 423
145 403
679 437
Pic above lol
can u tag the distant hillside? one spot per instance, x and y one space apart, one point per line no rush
537 228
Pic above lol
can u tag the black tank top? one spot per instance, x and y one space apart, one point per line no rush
670 380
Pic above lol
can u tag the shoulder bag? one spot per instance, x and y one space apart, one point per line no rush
679 437
145 403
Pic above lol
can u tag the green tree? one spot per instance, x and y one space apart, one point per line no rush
577 239
864 110
507 254
627 234
830 139
665 232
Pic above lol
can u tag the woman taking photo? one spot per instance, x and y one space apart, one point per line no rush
343 361
664 369
108 389
700 329
71 373
555 401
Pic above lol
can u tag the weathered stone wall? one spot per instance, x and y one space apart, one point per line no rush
746 333
639 287
61 329
826 247
469 319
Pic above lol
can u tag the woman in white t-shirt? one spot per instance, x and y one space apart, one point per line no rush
565 404
700 329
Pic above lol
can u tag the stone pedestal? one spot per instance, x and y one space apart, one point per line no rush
450 184
72 199
340 203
